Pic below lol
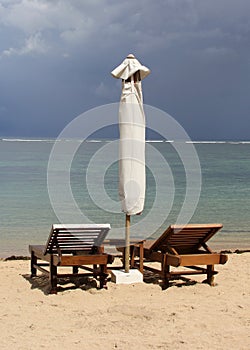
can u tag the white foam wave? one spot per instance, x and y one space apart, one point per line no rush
27 140
155 141
108 140
206 142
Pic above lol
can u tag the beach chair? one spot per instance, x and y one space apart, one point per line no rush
184 246
72 246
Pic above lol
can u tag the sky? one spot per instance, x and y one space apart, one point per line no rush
56 57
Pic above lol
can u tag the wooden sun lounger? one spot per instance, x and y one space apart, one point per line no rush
184 246
72 246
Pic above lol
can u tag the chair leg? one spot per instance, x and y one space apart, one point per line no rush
132 256
141 252
75 269
95 271
165 268
210 275
52 276
103 276
123 258
33 262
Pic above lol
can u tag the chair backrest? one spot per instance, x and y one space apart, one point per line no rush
185 239
76 238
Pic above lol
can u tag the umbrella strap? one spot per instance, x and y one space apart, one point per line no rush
134 78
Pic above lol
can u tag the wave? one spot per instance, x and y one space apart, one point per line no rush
239 142
219 142
109 140
93 141
27 140
160 141
155 141
206 142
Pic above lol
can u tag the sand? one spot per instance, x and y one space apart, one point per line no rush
139 316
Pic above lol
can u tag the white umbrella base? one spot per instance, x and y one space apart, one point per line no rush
122 277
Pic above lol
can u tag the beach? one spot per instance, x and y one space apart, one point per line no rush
187 315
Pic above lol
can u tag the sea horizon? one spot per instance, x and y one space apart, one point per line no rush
96 139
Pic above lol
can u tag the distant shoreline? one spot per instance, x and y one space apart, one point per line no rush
52 140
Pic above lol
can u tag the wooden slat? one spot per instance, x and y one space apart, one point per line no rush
185 238
76 243
199 259
72 249
83 259
76 237
81 228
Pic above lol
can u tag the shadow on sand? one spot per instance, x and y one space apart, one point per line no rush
41 282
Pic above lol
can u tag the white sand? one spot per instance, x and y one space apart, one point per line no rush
140 316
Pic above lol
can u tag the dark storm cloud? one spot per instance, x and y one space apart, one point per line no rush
56 58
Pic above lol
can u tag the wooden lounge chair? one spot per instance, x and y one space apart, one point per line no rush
184 246
73 246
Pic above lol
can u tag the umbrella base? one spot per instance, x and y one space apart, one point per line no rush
122 277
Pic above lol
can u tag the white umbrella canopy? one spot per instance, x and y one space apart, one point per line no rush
128 67
132 135
132 139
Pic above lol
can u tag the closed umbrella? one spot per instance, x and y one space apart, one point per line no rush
132 142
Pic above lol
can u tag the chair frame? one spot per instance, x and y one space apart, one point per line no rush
183 246
72 246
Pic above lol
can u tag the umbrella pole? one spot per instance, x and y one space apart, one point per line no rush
127 243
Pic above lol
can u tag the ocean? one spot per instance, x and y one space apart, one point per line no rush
210 180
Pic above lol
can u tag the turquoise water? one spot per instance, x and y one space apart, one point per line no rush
27 214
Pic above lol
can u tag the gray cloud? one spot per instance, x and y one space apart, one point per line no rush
56 58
